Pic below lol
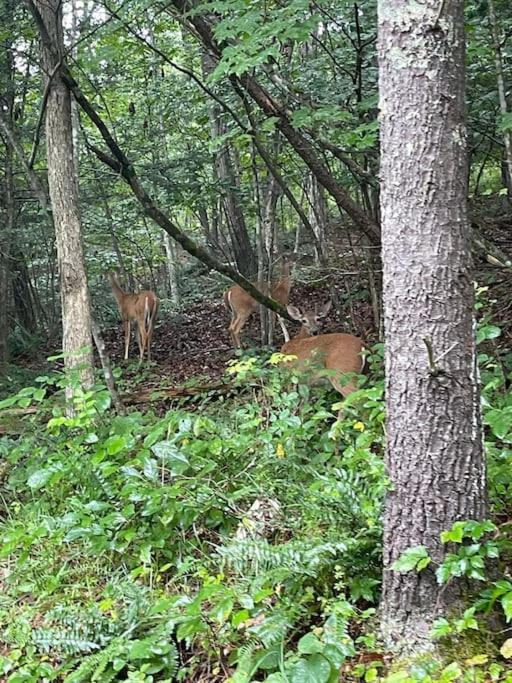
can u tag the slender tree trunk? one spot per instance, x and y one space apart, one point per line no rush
434 452
6 238
226 173
107 368
269 237
76 318
22 291
172 269
498 58
317 216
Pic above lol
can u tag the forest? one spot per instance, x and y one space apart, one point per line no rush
255 341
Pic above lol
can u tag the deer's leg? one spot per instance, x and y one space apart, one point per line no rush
148 342
140 339
127 330
237 326
151 329
230 328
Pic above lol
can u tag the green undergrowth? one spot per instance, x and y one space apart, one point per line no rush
240 540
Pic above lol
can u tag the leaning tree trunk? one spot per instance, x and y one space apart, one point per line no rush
76 317
434 452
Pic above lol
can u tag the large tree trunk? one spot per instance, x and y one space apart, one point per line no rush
434 453
76 318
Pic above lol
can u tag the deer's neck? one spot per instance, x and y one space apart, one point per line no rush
119 293
286 279
303 333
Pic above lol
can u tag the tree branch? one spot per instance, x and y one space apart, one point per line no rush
123 167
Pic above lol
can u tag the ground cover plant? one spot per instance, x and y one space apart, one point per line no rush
240 541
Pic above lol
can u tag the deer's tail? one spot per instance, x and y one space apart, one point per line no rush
226 297
149 314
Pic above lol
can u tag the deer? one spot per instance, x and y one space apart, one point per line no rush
242 305
140 308
338 353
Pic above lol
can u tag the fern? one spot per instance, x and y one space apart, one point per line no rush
70 641
95 665
257 556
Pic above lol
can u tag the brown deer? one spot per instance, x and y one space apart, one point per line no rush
338 353
140 308
242 305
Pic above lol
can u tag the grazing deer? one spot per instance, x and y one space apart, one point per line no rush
242 305
142 309
339 353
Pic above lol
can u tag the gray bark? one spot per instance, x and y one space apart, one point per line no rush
434 451
317 216
76 317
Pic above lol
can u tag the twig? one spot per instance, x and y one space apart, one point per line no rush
435 370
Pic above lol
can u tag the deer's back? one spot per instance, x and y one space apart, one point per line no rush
336 351
136 303
237 298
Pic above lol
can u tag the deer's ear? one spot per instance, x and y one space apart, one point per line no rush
325 309
294 312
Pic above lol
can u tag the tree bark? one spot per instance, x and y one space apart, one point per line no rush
434 452
317 216
76 317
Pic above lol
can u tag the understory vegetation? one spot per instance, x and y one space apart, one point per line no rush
240 539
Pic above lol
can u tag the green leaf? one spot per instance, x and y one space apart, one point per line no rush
487 332
39 478
172 457
39 394
115 444
239 617
315 669
310 645
150 468
441 628
399 677
450 673
506 603
222 610
411 559
500 421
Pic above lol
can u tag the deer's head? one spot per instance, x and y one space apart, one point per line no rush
311 320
